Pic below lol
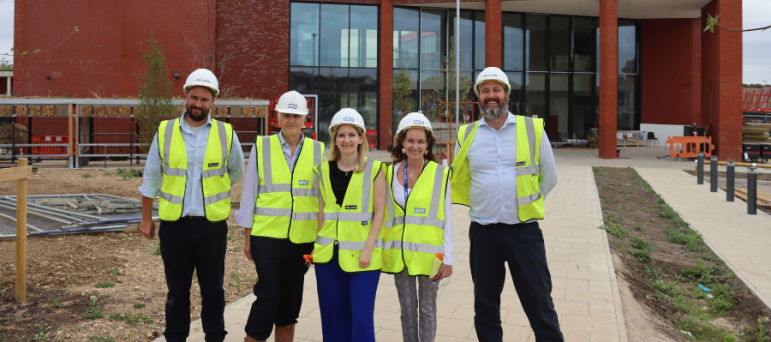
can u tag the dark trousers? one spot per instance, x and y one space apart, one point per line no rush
522 247
279 289
346 302
199 245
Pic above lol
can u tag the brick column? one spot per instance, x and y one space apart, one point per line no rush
493 34
386 74
608 78
721 79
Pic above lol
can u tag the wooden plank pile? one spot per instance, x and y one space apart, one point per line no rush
6 110
756 132
14 133
763 198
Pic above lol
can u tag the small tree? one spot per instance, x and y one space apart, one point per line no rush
448 92
402 88
155 89
6 65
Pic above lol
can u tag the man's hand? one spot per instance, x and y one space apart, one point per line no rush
247 244
147 228
444 272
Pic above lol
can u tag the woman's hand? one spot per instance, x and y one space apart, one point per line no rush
444 272
365 257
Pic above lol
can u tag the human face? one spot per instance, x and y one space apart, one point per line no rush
493 100
198 103
415 144
291 124
348 139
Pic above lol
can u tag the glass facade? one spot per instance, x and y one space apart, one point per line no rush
334 54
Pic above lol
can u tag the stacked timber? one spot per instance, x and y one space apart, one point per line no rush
13 133
756 132
6 110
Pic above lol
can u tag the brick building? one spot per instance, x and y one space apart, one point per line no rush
576 63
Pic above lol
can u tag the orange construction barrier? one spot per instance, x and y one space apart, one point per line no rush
50 139
689 147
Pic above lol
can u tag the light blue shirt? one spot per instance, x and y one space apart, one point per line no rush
195 145
492 161
245 213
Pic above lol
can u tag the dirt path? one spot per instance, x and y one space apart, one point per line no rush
63 272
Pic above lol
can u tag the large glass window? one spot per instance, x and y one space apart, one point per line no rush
559 36
627 47
467 36
536 42
479 41
513 45
333 54
583 114
406 26
432 38
626 102
583 38
559 102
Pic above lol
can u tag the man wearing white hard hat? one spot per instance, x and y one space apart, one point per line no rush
279 209
192 164
503 170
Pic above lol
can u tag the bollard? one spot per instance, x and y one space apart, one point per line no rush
713 174
752 191
700 168
729 182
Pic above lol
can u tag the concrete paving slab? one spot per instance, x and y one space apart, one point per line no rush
738 238
584 287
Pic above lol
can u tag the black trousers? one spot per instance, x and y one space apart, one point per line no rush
522 247
200 245
279 289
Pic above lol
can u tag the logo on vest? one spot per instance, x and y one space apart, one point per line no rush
213 164
420 210
350 207
364 223
348 119
304 182
521 163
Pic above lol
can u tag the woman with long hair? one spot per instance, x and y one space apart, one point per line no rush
348 248
419 236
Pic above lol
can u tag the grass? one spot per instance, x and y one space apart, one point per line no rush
114 273
128 173
87 175
101 339
128 319
94 313
139 305
104 285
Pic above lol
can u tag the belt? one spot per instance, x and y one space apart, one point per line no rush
193 218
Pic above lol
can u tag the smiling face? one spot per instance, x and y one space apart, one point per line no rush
348 139
291 124
493 101
198 103
415 143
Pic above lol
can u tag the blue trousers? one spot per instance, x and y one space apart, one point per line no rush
347 302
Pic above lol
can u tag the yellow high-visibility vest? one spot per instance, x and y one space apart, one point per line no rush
349 226
215 178
529 193
287 204
415 234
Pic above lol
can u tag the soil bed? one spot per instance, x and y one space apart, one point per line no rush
737 175
664 262
64 300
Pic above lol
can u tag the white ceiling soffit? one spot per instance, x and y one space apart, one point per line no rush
633 9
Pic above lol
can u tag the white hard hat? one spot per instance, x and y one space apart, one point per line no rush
292 102
347 116
492 74
414 120
203 78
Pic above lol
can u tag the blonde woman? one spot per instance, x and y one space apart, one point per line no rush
421 230
348 247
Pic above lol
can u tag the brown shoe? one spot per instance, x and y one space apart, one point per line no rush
249 339
285 333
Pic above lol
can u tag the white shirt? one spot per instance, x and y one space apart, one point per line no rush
398 193
493 167
245 213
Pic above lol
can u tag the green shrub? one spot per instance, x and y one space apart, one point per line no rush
641 244
696 272
643 255
615 230
104 285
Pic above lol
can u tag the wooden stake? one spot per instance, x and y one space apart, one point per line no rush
21 236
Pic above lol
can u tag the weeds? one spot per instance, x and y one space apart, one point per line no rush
41 331
637 227
132 321
95 312
56 303
698 272
101 339
615 230
104 285
759 333
6 319
643 255
128 173
114 273
139 305
87 175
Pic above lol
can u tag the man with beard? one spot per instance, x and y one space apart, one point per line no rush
503 170
192 164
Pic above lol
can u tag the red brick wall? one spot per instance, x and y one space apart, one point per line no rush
608 77
671 67
493 34
386 74
104 54
721 71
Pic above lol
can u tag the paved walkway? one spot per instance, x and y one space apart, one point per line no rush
585 292
738 238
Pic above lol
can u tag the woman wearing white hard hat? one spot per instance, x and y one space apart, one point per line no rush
418 241
348 249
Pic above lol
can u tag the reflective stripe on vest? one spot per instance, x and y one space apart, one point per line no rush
214 178
287 202
529 192
415 235
349 226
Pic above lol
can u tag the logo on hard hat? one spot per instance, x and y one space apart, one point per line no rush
491 75
418 122
291 106
202 80
348 119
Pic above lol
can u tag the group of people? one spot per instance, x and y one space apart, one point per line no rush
353 217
